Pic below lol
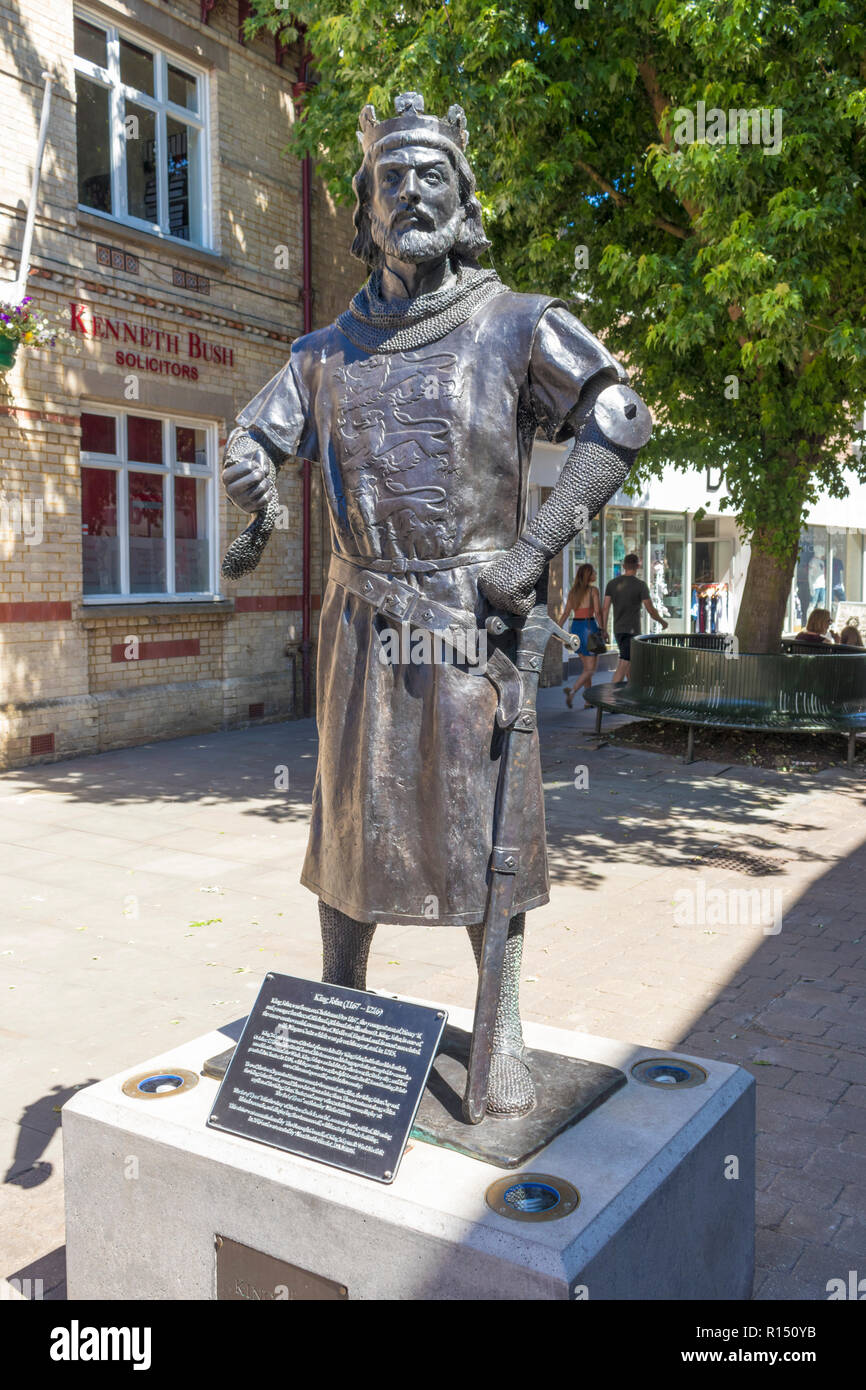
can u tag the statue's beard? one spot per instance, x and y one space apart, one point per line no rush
413 244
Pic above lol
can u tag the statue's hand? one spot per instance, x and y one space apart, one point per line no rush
248 473
509 582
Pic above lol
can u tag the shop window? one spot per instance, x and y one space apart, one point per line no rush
147 506
828 572
147 569
665 571
191 554
624 534
711 603
854 566
141 133
98 434
585 549
144 438
810 578
94 145
99 542
837 577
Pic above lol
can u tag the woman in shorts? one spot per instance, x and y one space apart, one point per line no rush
583 604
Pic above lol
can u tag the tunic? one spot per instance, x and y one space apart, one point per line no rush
425 455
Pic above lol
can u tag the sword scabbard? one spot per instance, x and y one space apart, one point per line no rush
504 865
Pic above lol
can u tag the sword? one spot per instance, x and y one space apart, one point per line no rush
516 683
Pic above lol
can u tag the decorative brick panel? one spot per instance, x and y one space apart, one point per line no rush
188 280
118 260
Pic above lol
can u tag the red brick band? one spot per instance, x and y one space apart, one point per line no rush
39 612
19 413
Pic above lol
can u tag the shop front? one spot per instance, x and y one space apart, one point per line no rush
829 572
659 538
692 559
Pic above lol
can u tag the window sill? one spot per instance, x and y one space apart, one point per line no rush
89 614
114 229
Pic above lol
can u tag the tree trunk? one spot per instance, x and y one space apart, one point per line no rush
765 598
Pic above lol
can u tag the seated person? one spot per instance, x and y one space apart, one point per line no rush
850 635
816 629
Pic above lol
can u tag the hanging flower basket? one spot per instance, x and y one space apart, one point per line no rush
21 323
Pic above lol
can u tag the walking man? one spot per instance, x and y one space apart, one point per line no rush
625 594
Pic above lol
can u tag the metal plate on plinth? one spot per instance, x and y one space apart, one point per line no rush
249 1275
567 1088
329 1073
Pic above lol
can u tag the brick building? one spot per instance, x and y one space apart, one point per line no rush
169 241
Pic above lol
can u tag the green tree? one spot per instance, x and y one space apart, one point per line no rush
729 274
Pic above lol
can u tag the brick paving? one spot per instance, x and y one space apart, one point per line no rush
147 891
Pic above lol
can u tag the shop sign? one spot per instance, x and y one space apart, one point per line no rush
158 351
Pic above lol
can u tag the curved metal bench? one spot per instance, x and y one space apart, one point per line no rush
703 681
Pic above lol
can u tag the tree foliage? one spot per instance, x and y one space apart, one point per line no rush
730 278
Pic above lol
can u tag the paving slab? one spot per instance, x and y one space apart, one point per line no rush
147 891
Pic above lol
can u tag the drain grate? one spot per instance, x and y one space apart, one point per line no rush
741 861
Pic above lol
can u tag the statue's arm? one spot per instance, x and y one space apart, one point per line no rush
249 472
610 424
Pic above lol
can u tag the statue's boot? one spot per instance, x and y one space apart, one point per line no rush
345 948
510 1090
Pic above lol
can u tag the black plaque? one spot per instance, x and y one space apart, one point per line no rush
332 1074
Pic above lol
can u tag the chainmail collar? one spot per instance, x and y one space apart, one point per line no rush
380 325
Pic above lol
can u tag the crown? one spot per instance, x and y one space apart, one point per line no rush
411 116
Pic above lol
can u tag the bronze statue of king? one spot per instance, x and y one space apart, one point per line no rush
420 405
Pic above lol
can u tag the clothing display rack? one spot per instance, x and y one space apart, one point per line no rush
711 607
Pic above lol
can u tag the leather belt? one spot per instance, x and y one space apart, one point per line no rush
400 565
397 600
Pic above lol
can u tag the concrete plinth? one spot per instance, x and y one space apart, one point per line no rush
665 1176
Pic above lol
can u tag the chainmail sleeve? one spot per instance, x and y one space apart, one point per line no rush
594 470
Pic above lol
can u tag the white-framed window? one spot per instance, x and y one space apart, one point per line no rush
148 506
142 133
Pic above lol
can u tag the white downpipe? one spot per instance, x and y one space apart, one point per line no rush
11 293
